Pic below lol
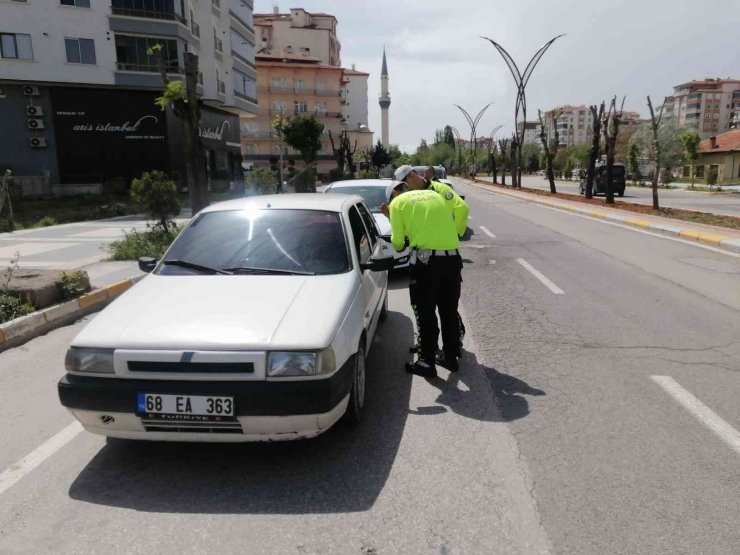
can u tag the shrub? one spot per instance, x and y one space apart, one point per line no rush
71 285
136 244
46 221
262 181
156 195
12 307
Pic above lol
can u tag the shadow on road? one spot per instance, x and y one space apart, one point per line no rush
343 470
508 400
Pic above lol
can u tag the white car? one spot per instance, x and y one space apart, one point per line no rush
253 326
374 192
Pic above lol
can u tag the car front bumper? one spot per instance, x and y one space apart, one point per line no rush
264 410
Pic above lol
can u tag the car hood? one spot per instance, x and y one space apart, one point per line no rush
383 223
224 313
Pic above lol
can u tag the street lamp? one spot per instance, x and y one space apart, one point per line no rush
473 122
521 80
458 146
492 151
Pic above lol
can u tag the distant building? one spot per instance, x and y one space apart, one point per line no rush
711 106
573 126
531 132
718 155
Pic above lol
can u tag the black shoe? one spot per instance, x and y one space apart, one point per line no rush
450 364
421 369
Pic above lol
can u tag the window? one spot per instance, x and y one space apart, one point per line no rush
299 84
320 85
699 171
361 240
279 106
250 149
369 224
80 51
277 83
321 107
687 171
243 84
76 3
132 53
16 46
217 42
300 106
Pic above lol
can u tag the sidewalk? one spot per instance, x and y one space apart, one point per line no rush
723 237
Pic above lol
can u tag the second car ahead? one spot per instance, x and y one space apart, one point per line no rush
374 192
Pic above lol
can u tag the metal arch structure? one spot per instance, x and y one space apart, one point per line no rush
521 80
458 145
473 122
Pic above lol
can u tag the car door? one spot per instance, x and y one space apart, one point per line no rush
364 250
380 249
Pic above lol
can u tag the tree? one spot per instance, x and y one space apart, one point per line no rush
655 125
379 156
156 195
183 100
596 116
671 148
531 157
634 165
398 158
691 140
551 147
304 135
610 129
343 153
262 181
503 146
448 137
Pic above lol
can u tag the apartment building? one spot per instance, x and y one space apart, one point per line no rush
531 132
574 125
299 32
294 85
711 106
78 82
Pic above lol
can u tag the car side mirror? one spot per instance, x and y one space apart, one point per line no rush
147 263
378 264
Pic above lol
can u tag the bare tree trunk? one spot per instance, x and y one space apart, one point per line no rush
611 132
494 171
595 145
655 125
549 156
503 143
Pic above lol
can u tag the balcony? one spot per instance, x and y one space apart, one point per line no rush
218 45
149 14
326 115
302 90
260 135
327 92
127 66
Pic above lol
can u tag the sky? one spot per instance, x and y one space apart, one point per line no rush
436 58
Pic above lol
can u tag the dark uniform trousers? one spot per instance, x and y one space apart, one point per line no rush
436 286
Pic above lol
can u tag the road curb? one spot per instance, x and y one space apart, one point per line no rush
715 239
21 330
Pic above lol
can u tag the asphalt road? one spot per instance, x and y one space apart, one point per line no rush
726 203
595 412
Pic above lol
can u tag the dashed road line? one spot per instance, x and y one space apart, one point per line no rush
27 464
487 231
546 282
700 411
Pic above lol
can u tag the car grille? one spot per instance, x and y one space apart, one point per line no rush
192 427
192 367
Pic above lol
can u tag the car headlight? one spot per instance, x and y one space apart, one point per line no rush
94 361
300 364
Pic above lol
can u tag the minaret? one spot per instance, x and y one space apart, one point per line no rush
384 101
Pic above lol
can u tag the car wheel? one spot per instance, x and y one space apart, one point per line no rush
384 309
621 193
357 394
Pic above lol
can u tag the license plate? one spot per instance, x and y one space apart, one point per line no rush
184 407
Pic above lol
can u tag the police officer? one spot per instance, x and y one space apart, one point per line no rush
424 216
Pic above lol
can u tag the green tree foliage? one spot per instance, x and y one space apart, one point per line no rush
302 134
671 147
156 195
634 165
262 181
531 154
571 157
448 137
379 156
690 140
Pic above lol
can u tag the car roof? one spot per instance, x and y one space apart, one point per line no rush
365 183
296 201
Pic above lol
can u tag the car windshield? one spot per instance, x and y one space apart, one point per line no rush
373 196
267 241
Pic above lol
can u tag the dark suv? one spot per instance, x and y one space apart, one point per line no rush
619 173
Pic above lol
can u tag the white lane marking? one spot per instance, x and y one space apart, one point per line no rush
487 231
492 261
546 282
629 228
16 471
701 412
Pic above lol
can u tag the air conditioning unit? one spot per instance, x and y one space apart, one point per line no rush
34 111
37 142
30 90
35 123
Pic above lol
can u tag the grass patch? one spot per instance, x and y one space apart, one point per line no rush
706 218
136 244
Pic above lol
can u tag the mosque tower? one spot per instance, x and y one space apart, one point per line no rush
384 101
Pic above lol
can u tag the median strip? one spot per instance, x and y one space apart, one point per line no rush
18 331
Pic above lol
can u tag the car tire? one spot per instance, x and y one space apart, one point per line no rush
353 416
621 193
384 309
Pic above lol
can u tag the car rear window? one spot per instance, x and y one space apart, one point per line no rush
284 240
373 196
